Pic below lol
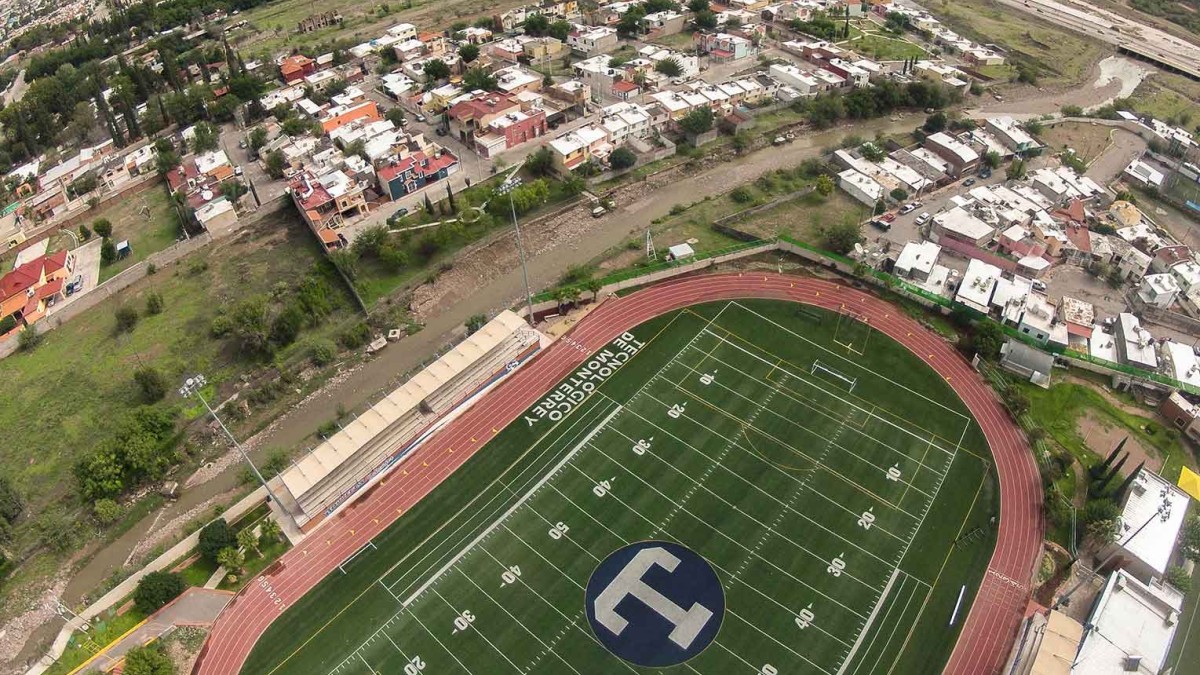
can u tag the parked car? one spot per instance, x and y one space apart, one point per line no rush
985 172
887 217
74 285
420 117
908 208
397 215
923 218
599 211
968 182
881 224
1039 285
242 144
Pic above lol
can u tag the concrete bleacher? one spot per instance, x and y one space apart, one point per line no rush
329 475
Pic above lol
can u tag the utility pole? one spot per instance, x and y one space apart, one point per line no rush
506 188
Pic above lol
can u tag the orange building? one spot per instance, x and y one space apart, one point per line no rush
294 68
341 115
25 291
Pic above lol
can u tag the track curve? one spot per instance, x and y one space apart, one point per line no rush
991 624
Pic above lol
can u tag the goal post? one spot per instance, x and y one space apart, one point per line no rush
847 380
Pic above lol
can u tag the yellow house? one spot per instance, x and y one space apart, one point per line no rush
1125 213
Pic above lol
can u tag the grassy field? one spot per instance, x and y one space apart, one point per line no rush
147 220
808 498
1063 57
1087 140
885 48
1170 98
61 398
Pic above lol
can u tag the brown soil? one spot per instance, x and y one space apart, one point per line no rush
1102 435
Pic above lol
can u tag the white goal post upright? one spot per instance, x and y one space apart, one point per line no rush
850 381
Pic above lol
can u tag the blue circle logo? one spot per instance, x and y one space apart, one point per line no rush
655 603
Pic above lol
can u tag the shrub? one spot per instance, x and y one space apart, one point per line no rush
742 195
7 323
356 336
157 589
107 511
215 537
1179 578
148 661
84 232
322 352
151 383
475 322
154 302
126 317
29 338
622 158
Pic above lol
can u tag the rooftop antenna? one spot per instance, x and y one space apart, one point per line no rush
650 252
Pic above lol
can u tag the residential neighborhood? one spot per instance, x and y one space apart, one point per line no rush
299 303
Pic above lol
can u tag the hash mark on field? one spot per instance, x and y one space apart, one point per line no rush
549 647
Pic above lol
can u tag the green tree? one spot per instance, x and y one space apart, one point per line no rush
84 232
475 322
258 138
698 121
935 123
840 237
107 511
215 537
29 338
540 162
593 286
992 159
1178 577
669 66
559 30
231 559
987 339
468 53
705 19
152 384
898 194
205 138
478 78
247 541
395 116
1189 540
102 227
108 251
536 25
270 532
824 185
156 589
274 164
622 158
436 70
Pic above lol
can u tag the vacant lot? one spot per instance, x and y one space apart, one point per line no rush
1086 140
67 394
885 48
147 220
1171 98
1063 58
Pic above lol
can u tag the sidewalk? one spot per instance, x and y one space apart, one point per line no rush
196 607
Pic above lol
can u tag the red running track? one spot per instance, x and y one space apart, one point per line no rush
991 624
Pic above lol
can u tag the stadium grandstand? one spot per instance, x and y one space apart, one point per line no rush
329 476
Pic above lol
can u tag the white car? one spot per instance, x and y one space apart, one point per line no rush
907 208
923 218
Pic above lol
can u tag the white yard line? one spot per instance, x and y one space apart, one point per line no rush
504 516
870 619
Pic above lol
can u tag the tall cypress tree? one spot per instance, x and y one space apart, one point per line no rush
1099 469
1120 491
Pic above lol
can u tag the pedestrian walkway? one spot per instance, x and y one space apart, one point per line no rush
196 607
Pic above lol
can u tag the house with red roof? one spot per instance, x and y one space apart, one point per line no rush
406 175
294 68
25 291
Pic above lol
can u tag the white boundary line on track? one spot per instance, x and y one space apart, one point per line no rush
504 516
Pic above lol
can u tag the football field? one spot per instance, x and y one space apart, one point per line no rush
742 487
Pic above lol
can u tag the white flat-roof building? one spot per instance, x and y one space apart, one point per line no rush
1010 132
860 186
1135 344
1143 173
917 259
958 223
1179 362
1151 519
977 285
1158 290
960 156
1130 629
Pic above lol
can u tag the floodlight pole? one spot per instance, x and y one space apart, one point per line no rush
192 387
506 188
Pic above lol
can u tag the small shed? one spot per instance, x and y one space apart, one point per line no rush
1032 364
680 251
123 249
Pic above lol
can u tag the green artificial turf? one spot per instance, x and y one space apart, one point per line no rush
853 496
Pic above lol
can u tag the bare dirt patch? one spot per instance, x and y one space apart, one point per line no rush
1103 435
1087 140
